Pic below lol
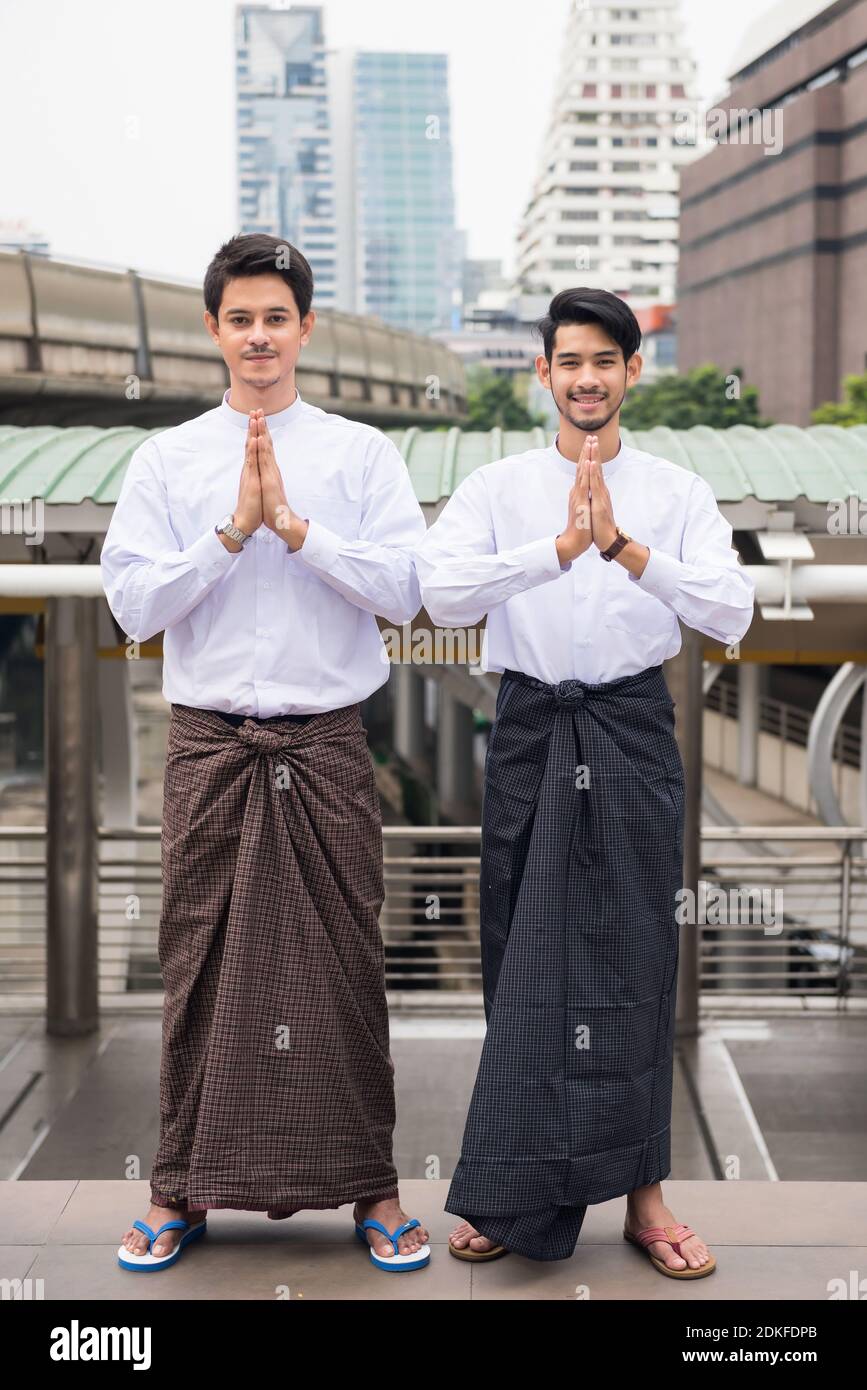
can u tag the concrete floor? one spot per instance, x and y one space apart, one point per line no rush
772 1242
768 1156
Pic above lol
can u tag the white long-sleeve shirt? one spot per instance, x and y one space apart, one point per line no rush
492 551
265 631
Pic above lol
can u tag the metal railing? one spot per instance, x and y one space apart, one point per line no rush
788 723
782 912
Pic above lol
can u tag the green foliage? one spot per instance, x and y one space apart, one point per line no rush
492 400
853 411
704 396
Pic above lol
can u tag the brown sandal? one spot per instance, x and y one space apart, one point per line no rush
469 1254
672 1235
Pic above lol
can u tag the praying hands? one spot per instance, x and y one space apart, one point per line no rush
261 496
591 515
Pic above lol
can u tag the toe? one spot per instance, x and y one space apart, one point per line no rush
671 1258
696 1253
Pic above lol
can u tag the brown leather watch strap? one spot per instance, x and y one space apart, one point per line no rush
616 546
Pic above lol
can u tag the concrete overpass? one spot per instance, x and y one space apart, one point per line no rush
86 344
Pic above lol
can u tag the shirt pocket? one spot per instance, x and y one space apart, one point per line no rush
629 608
339 514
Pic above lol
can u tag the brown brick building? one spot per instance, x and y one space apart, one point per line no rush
773 256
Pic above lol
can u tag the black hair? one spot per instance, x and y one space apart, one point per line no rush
591 306
257 253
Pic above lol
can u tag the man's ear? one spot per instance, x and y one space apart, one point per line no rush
307 323
633 368
211 326
543 371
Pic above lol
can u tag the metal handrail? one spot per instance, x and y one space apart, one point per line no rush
430 918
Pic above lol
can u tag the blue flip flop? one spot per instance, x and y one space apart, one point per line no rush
396 1263
128 1260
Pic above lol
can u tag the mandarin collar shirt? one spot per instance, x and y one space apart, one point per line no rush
491 551
265 631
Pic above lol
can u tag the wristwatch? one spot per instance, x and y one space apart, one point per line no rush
616 546
227 527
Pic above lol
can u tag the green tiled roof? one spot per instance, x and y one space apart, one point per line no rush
779 464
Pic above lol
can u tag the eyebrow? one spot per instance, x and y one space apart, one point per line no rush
606 352
274 309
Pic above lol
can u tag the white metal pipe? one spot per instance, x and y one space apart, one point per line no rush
51 581
821 583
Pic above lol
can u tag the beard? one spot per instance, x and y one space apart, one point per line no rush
261 382
592 424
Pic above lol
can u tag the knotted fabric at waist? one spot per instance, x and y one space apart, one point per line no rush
572 693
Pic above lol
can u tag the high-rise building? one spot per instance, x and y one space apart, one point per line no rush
604 208
407 268
347 154
774 243
285 179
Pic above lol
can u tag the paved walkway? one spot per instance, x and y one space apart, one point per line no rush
769 1143
772 1242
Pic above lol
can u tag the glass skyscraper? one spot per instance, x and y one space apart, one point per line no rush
285 180
406 261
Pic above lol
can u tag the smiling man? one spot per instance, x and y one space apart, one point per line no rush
583 556
262 538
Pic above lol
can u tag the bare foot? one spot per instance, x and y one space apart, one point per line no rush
136 1242
392 1215
466 1235
658 1214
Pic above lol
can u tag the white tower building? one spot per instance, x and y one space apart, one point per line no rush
604 208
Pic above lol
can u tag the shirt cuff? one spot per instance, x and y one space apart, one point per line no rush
540 560
661 575
320 547
210 557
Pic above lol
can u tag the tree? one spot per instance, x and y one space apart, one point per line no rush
853 411
704 396
492 400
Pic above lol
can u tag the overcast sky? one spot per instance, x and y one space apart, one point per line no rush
118 116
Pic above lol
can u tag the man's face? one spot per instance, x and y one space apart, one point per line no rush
587 376
259 330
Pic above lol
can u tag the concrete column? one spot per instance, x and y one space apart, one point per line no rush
683 674
408 695
71 816
749 673
455 764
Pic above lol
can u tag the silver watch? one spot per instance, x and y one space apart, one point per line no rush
226 527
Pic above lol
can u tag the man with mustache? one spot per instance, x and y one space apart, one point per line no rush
583 556
263 537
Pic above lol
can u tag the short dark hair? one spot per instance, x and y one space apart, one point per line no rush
591 306
257 253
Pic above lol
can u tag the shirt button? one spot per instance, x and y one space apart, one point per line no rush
266 585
